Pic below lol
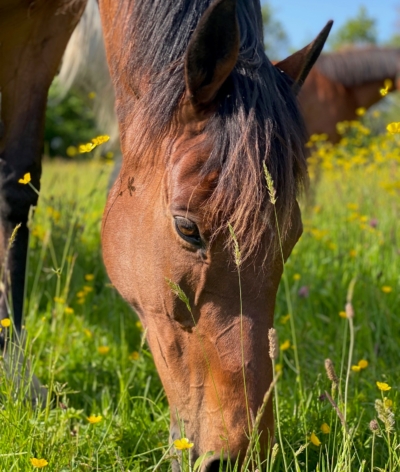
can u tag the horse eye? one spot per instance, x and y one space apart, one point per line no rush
187 230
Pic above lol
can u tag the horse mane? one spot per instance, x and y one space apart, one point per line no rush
352 67
257 121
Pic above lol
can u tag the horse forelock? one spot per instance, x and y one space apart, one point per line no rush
353 67
256 122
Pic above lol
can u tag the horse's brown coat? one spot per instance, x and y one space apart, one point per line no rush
202 354
229 99
329 96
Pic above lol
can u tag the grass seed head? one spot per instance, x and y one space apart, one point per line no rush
330 372
273 344
374 426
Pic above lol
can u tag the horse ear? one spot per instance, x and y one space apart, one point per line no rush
212 52
298 65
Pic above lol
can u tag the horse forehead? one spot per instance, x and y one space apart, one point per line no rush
188 182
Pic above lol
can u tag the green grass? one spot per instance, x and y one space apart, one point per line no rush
338 246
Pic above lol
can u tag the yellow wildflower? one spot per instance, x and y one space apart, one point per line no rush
89 277
387 402
38 463
26 179
361 111
134 356
88 333
103 349
6 322
296 277
388 84
68 310
81 294
285 345
314 439
383 386
86 147
386 289
355 368
342 314
139 325
93 419
394 127
278 368
182 444
87 289
285 319
92 95
100 140
325 428
353 253
363 364
71 151
59 300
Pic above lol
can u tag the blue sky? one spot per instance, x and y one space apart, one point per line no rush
303 19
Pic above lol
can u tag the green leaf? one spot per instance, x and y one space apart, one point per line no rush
201 459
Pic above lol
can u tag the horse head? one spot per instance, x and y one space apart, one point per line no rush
190 237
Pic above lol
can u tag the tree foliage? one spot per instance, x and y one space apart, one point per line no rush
357 31
275 38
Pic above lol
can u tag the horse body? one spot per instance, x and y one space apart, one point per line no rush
201 111
33 37
342 82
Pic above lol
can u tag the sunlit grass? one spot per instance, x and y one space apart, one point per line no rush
109 410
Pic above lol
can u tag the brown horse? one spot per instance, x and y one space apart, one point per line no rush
341 82
201 110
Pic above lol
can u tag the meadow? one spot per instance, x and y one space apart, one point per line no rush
109 411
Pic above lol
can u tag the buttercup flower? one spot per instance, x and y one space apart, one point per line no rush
388 403
296 277
363 364
386 289
89 277
182 444
100 140
38 463
342 314
93 419
86 147
26 179
103 349
285 345
393 128
134 356
355 368
383 386
314 439
325 428
6 322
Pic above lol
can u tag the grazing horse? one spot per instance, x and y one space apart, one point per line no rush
201 111
343 81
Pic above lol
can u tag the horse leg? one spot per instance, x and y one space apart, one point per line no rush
33 36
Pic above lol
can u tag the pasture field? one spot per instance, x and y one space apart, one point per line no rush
109 412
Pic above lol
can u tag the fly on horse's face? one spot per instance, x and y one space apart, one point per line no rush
172 227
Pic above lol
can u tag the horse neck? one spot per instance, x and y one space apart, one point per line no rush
366 95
